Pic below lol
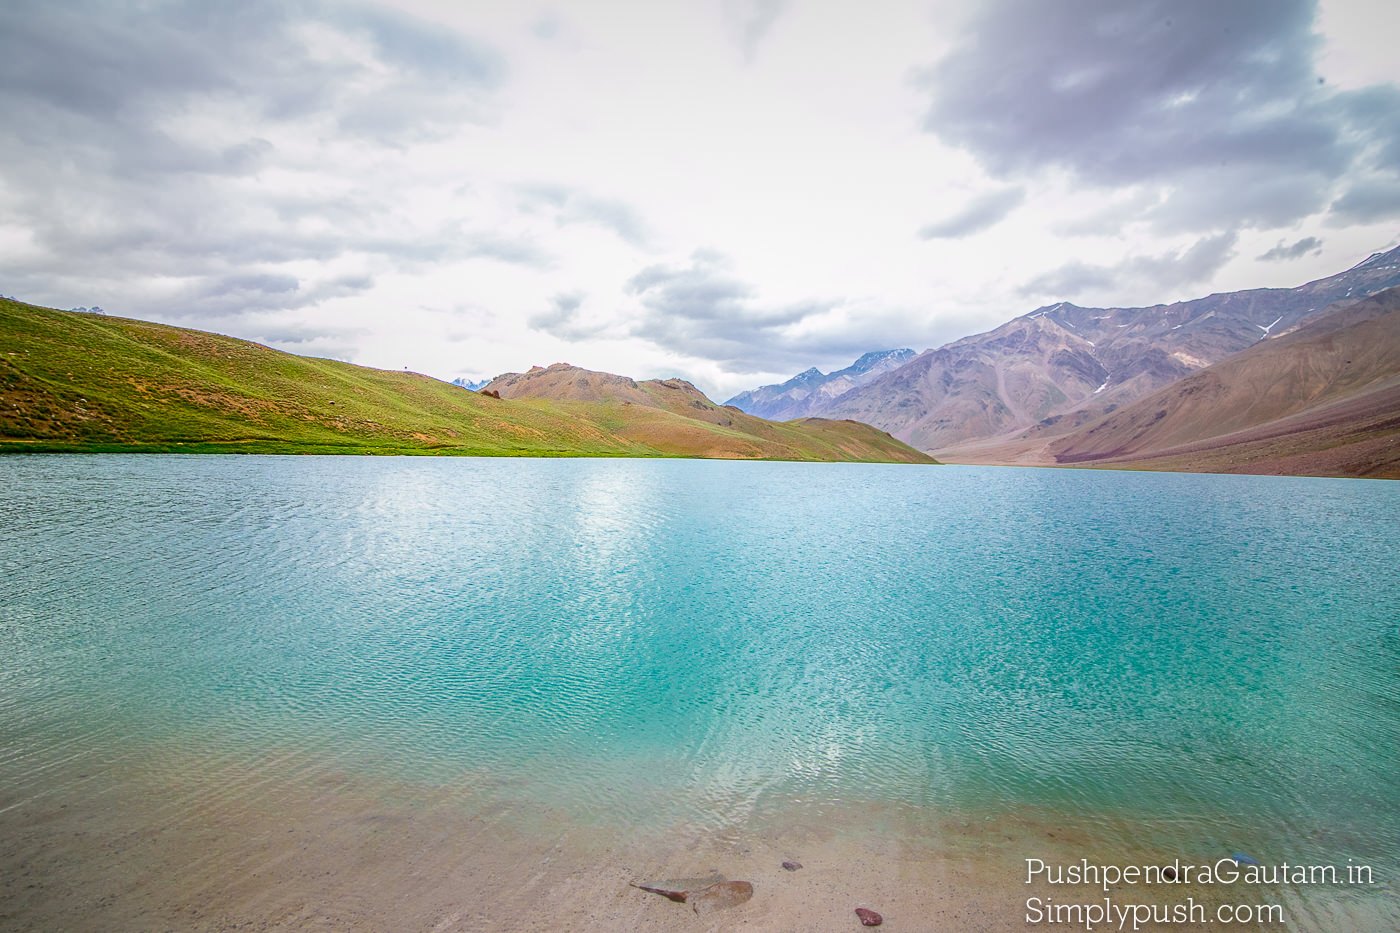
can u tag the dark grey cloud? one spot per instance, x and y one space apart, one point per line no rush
110 64
568 302
702 309
116 190
704 291
982 212
233 295
1184 94
253 283
225 301
413 45
329 342
120 235
1378 108
563 320
92 89
1163 272
1281 253
1112 216
571 206
1240 196
1366 201
101 76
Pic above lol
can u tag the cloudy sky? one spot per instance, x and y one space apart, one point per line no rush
726 190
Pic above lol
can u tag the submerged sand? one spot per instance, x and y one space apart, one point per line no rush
164 851
194 843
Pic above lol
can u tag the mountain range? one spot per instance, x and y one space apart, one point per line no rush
74 382
1007 395
811 392
646 403
1285 380
1324 399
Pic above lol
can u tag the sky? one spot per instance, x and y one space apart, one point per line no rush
728 191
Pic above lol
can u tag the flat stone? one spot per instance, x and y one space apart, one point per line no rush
719 896
676 889
868 917
669 893
792 866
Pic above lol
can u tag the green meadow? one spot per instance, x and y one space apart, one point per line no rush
78 382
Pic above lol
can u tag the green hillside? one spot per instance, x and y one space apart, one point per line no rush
76 382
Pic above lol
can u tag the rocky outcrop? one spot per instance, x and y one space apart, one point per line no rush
719 896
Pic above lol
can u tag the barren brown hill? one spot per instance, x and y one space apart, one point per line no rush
1323 400
1063 366
563 382
668 414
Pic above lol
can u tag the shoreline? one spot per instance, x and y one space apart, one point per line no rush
166 847
198 842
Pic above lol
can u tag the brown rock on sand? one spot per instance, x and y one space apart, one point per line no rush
792 866
676 888
677 896
719 896
704 895
869 918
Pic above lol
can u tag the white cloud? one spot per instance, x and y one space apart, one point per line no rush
730 191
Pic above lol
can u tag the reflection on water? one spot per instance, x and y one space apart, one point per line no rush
725 645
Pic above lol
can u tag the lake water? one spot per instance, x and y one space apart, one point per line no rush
1165 664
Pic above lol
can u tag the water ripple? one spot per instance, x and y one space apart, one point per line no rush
709 642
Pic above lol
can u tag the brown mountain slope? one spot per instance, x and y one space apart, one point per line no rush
812 392
563 382
1063 366
1026 370
660 412
1324 399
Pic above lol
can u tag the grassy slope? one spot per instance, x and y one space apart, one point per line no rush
641 409
81 382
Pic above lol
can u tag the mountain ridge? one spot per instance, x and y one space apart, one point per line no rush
1325 397
812 391
1061 366
74 382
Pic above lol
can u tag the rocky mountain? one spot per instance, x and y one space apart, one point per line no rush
475 385
812 392
651 411
1062 366
563 382
1324 399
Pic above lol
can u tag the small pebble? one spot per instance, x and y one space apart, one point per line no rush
792 866
869 918
1169 873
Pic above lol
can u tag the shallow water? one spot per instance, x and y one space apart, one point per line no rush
1158 662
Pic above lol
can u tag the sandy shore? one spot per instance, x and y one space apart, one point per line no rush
204 844
162 849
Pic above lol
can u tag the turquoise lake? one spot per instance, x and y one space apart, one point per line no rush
1212 661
